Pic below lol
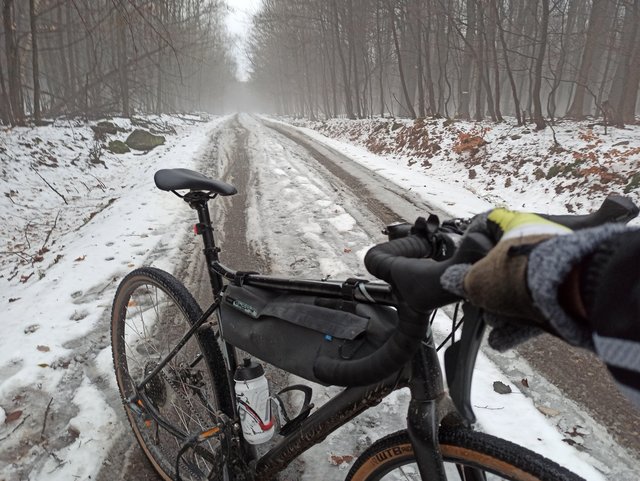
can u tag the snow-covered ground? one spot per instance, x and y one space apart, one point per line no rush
570 168
60 263
61 259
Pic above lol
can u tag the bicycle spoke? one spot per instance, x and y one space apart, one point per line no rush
180 397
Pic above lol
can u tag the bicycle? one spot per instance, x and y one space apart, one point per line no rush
175 364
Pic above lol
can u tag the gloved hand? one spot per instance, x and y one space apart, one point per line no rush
498 282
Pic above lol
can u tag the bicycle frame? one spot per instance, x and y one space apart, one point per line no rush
429 402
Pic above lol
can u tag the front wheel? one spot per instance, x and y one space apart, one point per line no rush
468 456
151 312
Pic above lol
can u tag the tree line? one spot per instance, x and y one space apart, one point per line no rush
91 57
536 60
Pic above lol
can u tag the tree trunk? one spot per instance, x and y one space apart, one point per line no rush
630 92
433 109
379 54
560 65
483 67
122 62
537 106
505 53
607 54
421 99
493 51
354 59
74 81
34 62
5 106
64 71
595 31
465 74
13 64
343 63
407 97
621 78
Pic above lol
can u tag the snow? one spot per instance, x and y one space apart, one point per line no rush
55 341
55 310
527 426
311 258
343 222
94 428
516 167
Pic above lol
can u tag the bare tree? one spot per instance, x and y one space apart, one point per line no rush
420 57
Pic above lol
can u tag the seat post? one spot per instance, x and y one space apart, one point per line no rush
198 201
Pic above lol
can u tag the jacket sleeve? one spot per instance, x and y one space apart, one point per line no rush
611 294
609 257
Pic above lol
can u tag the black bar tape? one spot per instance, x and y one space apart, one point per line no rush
614 208
415 279
379 259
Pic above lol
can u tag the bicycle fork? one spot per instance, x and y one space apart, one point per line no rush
428 405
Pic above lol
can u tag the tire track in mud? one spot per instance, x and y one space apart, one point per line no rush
229 159
381 197
236 251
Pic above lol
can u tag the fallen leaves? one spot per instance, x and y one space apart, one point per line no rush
501 388
73 432
470 141
13 416
43 348
338 460
547 411
24 279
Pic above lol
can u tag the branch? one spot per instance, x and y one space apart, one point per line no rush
16 428
55 221
44 423
50 186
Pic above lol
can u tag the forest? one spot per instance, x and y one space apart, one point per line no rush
92 57
536 60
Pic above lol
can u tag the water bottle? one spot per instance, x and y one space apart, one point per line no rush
254 405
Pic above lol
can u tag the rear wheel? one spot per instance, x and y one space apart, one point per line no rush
151 313
468 456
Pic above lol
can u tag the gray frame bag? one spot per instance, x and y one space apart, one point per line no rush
291 331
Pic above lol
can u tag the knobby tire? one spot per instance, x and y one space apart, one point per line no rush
151 312
472 456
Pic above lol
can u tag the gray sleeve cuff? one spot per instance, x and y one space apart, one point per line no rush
550 263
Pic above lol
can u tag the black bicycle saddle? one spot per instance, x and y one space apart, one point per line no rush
179 179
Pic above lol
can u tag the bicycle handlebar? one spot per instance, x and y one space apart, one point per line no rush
614 208
419 291
404 263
